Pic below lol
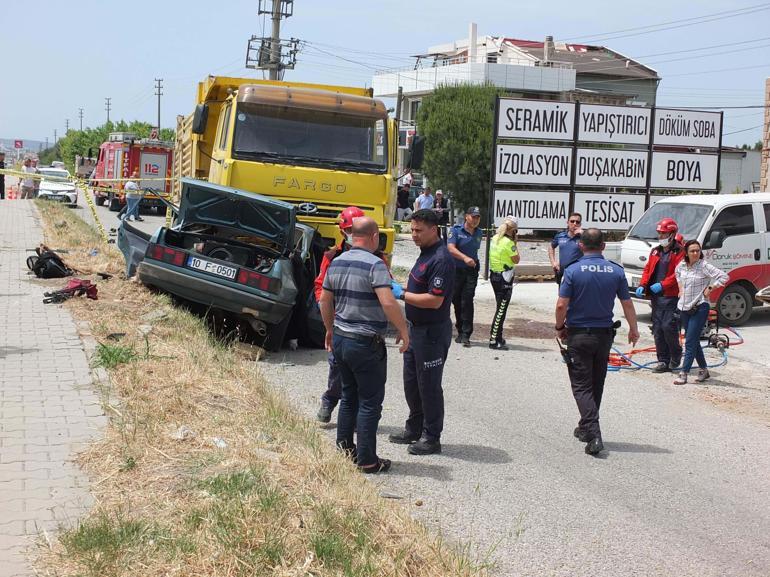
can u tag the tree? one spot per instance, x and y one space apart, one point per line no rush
456 122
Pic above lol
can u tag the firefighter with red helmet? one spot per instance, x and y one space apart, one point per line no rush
333 392
659 283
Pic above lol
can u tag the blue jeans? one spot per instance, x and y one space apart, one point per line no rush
363 368
133 207
693 322
333 392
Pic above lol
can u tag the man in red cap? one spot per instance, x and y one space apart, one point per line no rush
659 282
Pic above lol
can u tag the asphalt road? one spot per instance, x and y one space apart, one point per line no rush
683 488
110 220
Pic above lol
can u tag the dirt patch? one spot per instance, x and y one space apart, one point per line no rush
521 328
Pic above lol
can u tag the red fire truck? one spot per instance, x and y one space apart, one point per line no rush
120 156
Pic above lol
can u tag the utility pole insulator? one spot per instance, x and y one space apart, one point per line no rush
267 52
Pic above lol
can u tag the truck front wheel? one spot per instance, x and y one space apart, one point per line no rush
734 306
99 200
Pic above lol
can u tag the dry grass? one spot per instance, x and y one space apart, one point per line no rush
252 489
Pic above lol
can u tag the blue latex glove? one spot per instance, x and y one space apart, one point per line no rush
398 290
656 288
640 291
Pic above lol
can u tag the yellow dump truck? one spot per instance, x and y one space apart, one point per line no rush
320 148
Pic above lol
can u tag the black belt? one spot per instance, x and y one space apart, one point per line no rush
590 330
357 336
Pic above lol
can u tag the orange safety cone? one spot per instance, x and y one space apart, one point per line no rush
11 193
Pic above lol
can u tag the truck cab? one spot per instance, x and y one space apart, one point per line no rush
733 232
319 148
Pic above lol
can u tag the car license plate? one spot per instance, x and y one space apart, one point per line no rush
211 267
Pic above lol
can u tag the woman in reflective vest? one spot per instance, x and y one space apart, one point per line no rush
503 257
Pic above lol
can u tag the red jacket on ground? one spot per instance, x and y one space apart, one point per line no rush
670 286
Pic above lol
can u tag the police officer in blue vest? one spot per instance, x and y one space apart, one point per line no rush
427 297
463 243
584 318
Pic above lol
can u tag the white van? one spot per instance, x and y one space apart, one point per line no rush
733 231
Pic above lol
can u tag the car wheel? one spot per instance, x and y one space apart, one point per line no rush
734 306
275 333
99 200
114 203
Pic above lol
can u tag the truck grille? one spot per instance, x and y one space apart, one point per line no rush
325 211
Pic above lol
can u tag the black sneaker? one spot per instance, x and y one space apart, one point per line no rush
497 346
459 339
381 466
424 447
661 368
324 414
581 435
466 341
674 364
595 446
403 438
139 218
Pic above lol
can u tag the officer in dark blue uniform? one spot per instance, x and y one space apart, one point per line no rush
567 241
584 318
427 297
463 243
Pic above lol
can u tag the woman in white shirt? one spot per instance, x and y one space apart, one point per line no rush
696 279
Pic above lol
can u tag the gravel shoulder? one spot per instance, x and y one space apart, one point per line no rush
682 489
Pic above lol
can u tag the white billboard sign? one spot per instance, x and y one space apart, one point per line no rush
614 124
600 167
609 211
533 164
684 171
536 119
532 209
690 128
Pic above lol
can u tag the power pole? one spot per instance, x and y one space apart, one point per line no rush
66 126
107 107
80 114
275 41
55 139
158 93
267 53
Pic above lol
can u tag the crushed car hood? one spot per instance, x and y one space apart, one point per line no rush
206 203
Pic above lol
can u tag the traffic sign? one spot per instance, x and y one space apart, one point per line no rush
18 144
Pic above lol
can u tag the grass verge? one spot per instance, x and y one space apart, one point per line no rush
204 469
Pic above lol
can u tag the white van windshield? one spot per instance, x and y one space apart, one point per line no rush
689 217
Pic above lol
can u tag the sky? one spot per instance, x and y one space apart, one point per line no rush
62 56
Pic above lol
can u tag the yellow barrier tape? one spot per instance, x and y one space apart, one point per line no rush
36 176
98 222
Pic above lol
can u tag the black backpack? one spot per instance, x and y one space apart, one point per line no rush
48 264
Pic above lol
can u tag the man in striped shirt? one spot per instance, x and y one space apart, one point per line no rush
356 304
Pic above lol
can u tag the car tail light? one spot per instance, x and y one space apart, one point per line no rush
165 254
258 281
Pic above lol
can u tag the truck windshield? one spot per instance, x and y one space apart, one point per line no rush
689 217
309 137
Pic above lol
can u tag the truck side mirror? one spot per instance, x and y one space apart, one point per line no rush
200 117
416 152
715 239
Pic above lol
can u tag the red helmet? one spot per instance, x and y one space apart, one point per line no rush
347 216
667 225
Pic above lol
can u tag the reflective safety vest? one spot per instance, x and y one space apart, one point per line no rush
500 253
